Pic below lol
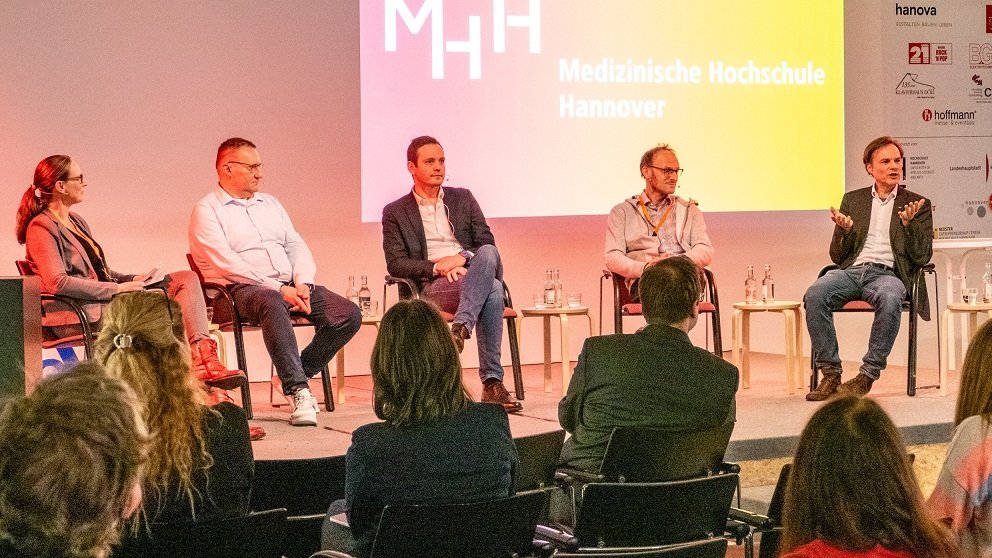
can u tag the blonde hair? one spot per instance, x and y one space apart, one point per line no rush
70 457
141 343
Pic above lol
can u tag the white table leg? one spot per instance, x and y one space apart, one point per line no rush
790 348
946 342
566 362
800 381
339 372
547 354
746 349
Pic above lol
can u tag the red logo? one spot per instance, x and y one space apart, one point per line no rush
988 18
927 115
930 53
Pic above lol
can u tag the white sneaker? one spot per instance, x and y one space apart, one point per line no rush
304 409
277 387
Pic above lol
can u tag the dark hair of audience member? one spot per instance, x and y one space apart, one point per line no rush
416 144
71 460
670 290
852 486
975 394
416 374
37 195
143 346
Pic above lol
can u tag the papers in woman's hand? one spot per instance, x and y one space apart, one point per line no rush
154 275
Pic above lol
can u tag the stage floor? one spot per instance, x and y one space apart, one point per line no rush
768 420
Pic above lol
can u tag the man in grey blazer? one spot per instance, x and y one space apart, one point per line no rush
439 238
882 235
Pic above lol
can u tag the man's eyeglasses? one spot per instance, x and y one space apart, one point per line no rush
252 168
668 171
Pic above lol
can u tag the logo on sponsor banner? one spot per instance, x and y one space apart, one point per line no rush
979 92
916 10
431 13
980 55
930 53
949 117
910 85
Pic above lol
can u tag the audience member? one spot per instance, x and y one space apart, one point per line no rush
961 497
653 378
655 224
62 251
438 237
243 238
435 446
852 491
71 466
200 462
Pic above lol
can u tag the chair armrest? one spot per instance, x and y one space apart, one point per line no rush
756 520
728 467
559 538
568 477
331 554
74 304
410 284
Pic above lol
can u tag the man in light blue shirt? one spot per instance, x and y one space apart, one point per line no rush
243 238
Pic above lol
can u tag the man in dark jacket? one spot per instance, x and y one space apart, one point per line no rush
883 234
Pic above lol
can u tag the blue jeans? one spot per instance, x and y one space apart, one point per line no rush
476 300
879 287
335 320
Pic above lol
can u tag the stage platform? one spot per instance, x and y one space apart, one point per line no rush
768 420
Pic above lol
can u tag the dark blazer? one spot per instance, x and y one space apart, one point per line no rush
404 241
654 378
58 258
912 245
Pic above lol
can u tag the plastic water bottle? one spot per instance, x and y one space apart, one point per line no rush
750 287
768 286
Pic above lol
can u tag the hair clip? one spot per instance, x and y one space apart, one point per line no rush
37 191
122 340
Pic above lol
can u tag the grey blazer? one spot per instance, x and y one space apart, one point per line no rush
57 257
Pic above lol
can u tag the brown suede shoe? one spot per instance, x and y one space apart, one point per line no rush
460 334
495 392
859 385
829 380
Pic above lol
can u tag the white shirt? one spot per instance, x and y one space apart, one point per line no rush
878 245
249 241
440 236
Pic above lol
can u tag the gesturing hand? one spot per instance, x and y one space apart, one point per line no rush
841 220
910 210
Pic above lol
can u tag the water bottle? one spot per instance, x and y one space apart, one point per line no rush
365 296
558 291
987 283
750 287
352 294
549 291
768 286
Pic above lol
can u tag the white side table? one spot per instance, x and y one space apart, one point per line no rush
946 342
339 358
562 314
741 353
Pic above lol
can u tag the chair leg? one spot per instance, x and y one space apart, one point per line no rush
911 365
239 350
518 377
717 336
325 380
814 378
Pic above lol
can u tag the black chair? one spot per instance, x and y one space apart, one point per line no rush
257 535
909 305
306 488
490 529
713 548
408 289
49 302
629 515
215 293
623 306
538 455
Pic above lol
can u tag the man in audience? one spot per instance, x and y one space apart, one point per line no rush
71 465
652 378
655 224
439 238
882 235
244 238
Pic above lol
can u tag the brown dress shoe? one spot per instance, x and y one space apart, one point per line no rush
859 385
829 381
460 334
208 369
495 392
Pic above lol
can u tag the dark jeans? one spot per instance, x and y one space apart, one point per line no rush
335 320
879 287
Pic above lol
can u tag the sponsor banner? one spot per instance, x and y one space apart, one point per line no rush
54 360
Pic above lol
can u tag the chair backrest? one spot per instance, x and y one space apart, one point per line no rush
302 486
195 268
258 535
24 268
712 548
636 454
651 514
490 529
539 456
